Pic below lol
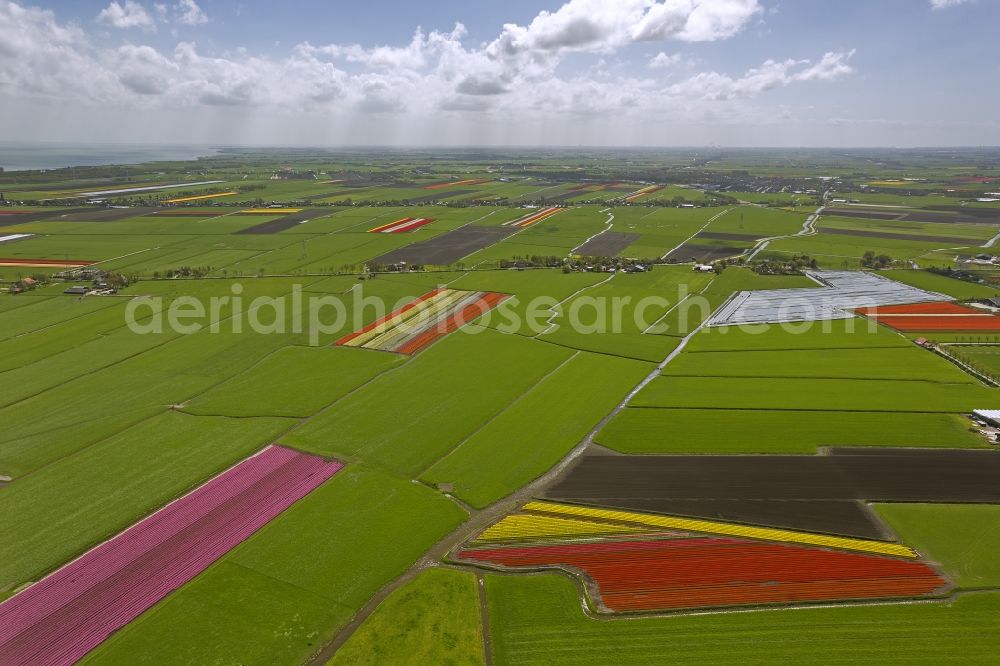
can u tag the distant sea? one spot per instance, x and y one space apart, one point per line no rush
19 156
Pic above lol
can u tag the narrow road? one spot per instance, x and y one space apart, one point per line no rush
689 238
610 222
482 518
808 229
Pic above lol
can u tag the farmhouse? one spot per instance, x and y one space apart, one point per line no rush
77 290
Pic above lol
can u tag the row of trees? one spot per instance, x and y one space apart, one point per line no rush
871 260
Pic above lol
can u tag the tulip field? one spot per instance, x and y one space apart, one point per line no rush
943 317
61 618
533 218
353 409
423 321
401 225
704 573
645 191
643 562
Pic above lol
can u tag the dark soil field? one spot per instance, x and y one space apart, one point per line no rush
953 240
106 214
179 212
841 518
607 244
38 216
439 195
866 213
448 247
702 253
992 213
959 216
816 493
286 222
554 198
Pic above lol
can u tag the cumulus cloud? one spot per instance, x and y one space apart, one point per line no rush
771 74
518 75
831 66
599 26
128 15
663 61
189 13
944 4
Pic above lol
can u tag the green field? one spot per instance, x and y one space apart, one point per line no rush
858 363
432 620
408 418
559 411
943 284
536 619
821 335
101 425
962 538
985 358
286 590
721 430
294 381
876 395
58 512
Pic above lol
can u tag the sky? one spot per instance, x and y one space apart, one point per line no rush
654 73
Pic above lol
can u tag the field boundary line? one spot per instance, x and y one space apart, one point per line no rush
799 409
593 351
484 617
479 519
544 378
786 349
610 222
79 451
808 229
689 238
983 378
822 377
549 322
224 560
111 365
676 305
111 303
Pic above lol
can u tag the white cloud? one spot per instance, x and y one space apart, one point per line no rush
516 78
772 74
944 4
599 26
128 15
189 13
663 61
831 66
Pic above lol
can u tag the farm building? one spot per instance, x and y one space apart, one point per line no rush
990 416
